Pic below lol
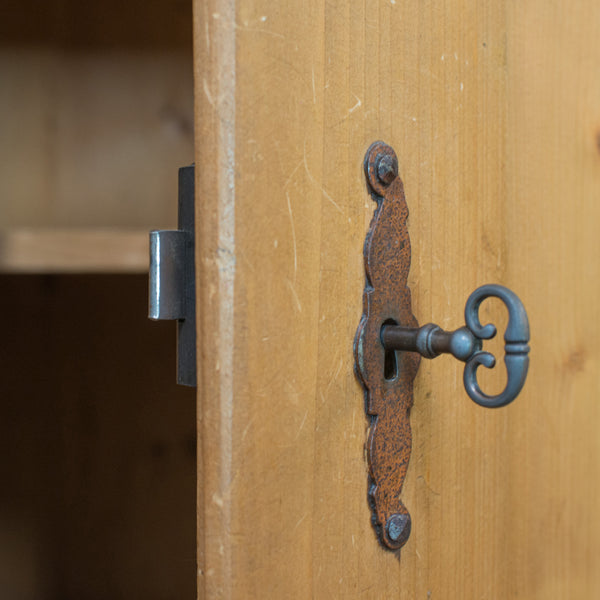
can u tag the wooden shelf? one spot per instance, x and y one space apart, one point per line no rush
73 251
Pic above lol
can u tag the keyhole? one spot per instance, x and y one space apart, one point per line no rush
390 361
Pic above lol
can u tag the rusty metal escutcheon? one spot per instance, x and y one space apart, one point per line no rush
389 345
386 299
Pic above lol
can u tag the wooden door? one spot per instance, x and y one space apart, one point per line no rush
494 111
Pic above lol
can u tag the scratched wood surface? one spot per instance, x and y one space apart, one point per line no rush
494 112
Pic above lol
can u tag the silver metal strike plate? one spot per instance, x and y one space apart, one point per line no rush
172 283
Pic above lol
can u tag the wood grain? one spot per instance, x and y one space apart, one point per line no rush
553 213
96 113
73 251
493 112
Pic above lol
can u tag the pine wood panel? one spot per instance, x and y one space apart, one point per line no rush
492 110
553 176
73 251
96 112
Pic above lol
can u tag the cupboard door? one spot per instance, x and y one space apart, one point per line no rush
494 112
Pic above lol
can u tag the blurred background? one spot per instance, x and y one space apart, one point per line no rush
98 452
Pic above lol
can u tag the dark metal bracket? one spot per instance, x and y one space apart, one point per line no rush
172 284
389 344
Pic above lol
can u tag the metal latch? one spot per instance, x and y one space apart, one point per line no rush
389 345
172 283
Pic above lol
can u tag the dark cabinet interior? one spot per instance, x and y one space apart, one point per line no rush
98 459
97 444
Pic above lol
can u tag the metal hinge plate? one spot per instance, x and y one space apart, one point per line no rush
172 282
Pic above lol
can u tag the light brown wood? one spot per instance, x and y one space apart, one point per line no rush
73 251
493 111
553 214
96 113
